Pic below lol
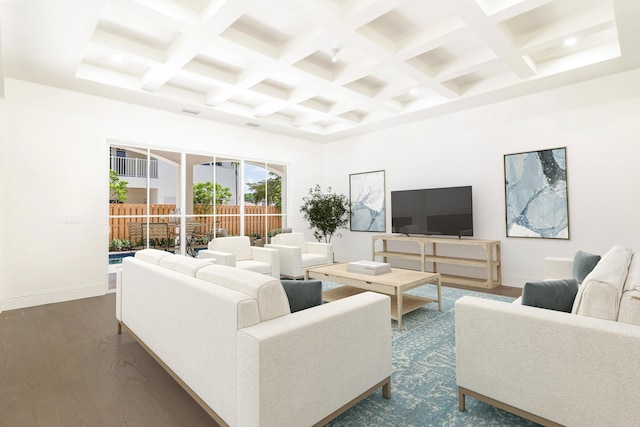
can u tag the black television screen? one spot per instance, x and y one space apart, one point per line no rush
433 211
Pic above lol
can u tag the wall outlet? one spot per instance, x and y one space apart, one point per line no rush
72 220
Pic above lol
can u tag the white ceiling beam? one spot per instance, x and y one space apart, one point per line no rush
269 108
187 47
514 9
493 37
431 38
107 77
115 44
142 12
592 20
172 9
557 38
361 12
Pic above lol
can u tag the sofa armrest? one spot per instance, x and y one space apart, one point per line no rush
290 259
573 370
558 268
324 249
298 369
268 256
221 258
264 254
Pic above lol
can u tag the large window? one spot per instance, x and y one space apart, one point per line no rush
178 201
262 199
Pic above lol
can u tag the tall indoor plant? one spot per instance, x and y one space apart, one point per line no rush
326 212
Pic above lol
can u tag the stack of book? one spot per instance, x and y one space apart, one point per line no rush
372 268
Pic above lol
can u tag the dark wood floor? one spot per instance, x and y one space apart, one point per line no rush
64 365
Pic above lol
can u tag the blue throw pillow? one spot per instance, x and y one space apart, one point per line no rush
583 263
551 294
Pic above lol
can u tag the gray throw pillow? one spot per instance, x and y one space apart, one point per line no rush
302 294
550 294
583 263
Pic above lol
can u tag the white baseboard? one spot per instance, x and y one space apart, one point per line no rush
50 296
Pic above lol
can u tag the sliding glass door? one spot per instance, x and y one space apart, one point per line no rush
178 201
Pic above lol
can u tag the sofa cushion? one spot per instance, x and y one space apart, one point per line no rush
152 256
268 292
630 307
183 264
600 293
256 266
303 294
551 294
583 264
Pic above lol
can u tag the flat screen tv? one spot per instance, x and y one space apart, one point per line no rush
433 211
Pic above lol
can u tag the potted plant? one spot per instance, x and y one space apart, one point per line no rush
326 212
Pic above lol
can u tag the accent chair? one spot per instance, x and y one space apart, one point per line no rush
296 254
236 251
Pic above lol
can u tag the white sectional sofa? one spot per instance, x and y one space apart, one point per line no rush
227 335
557 368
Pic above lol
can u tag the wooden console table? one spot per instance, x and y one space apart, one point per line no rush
488 260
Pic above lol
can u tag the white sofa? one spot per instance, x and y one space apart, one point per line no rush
557 368
296 254
236 251
228 337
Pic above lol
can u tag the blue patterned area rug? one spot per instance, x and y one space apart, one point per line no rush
423 380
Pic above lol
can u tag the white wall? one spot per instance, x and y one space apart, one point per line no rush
4 183
55 169
598 122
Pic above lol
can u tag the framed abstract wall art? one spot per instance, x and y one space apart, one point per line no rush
367 195
536 194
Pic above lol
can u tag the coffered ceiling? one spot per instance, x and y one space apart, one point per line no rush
269 64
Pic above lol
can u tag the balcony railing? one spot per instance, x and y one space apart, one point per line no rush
133 167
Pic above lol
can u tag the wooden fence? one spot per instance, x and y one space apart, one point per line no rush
227 217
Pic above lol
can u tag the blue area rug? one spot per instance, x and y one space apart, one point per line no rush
423 380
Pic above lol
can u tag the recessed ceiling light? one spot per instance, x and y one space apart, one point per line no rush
413 91
570 41
117 59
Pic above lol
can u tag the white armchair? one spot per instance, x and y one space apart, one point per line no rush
236 251
296 255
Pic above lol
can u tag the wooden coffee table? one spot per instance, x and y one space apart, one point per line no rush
394 284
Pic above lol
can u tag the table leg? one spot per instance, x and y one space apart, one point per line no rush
439 285
399 307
